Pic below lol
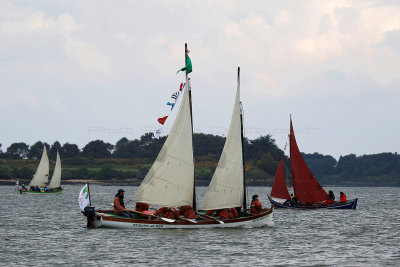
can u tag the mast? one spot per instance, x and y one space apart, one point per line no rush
243 157
191 120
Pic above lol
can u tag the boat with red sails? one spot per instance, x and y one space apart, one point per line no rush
308 193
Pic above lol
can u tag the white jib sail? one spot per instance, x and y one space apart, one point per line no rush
56 178
41 176
226 186
170 181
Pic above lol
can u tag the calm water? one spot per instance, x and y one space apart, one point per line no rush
50 230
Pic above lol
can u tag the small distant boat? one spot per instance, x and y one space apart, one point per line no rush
308 193
39 183
170 181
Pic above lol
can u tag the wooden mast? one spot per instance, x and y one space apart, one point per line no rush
243 157
191 120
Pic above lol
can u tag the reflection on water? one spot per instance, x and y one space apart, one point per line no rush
49 230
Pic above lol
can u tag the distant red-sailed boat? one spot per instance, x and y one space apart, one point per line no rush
308 193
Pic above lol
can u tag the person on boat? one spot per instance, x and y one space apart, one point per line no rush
222 214
187 212
342 197
140 206
119 206
331 195
255 207
166 212
293 201
232 213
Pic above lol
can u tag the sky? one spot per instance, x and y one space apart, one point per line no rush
77 71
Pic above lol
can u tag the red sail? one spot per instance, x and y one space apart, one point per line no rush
279 189
306 187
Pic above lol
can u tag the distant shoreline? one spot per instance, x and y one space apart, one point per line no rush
137 183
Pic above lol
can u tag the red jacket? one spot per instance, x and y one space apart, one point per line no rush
255 207
118 208
343 198
142 206
233 213
187 212
165 212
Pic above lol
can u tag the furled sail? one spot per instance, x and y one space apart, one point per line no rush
306 187
279 188
56 178
226 189
170 181
41 176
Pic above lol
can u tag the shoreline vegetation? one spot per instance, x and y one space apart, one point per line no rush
128 161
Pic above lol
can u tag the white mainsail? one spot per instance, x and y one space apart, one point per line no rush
56 178
226 187
41 176
170 181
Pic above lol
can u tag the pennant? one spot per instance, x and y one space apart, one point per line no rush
162 120
175 95
171 104
157 134
182 86
188 67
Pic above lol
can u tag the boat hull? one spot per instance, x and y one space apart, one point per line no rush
39 193
103 220
350 204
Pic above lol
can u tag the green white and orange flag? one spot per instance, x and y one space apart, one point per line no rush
84 198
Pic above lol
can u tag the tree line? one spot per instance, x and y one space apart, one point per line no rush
131 159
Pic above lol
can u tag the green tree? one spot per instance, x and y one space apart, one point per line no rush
36 150
97 149
17 151
69 150
53 150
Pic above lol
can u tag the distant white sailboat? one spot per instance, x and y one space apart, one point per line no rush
40 181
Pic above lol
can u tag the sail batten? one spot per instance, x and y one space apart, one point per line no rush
226 189
170 180
56 178
41 176
306 187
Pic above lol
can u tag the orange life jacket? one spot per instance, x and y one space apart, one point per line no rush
165 212
343 198
142 206
187 212
255 207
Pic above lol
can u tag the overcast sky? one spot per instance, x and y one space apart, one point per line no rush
77 71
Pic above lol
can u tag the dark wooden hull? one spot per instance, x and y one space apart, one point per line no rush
350 205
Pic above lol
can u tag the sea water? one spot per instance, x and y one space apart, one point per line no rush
50 230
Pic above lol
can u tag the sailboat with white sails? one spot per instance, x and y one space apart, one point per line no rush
170 181
39 183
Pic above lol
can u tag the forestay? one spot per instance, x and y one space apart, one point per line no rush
226 187
170 181
56 178
41 176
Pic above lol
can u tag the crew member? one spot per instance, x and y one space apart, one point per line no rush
232 213
223 214
331 195
255 207
187 212
119 206
140 206
166 212
342 197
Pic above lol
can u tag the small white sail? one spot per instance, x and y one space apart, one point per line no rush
56 178
41 176
226 186
170 181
